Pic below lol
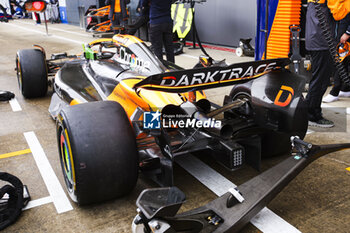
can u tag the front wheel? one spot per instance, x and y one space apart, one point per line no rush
98 151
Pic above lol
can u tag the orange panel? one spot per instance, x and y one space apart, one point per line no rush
287 13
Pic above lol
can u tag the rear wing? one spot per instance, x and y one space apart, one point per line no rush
210 77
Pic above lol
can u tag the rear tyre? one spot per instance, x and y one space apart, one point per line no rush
31 73
98 151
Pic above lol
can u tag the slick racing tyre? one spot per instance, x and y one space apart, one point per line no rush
98 151
272 143
31 73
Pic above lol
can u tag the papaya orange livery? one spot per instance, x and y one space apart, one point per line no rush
120 110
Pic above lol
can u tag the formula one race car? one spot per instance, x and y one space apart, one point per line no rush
103 101
107 104
119 110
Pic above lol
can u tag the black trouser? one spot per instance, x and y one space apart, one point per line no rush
118 23
162 34
142 20
3 10
322 68
338 83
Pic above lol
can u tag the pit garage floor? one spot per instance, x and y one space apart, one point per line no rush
318 200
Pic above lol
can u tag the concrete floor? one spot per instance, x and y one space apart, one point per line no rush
318 200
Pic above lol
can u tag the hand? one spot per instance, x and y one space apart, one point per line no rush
344 38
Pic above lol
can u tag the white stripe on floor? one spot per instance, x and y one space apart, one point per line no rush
268 221
38 202
57 29
214 181
265 220
15 105
326 105
310 131
190 56
348 111
76 41
50 35
54 187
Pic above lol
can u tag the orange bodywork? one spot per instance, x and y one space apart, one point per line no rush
147 100
104 26
103 11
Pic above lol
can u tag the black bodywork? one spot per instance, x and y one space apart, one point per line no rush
268 112
233 210
258 117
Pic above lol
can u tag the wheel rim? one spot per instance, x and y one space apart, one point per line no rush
66 160
19 74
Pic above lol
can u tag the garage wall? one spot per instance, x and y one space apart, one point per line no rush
72 9
221 22
224 22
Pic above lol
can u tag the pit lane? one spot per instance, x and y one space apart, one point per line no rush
318 200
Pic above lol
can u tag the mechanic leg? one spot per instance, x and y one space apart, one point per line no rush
115 23
4 12
168 42
337 85
322 66
122 29
142 20
155 34
345 87
342 27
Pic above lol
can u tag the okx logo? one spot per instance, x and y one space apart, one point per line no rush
151 120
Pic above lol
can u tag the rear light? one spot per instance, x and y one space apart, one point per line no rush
35 6
88 20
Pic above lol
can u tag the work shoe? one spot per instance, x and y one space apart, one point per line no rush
323 123
344 94
330 98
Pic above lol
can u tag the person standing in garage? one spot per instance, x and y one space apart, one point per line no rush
118 14
141 20
161 27
322 63
340 89
340 11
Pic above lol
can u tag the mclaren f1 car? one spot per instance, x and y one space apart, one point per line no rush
102 99
120 110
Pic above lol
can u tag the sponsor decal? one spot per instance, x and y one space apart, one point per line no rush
132 60
216 76
197 79
286 90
